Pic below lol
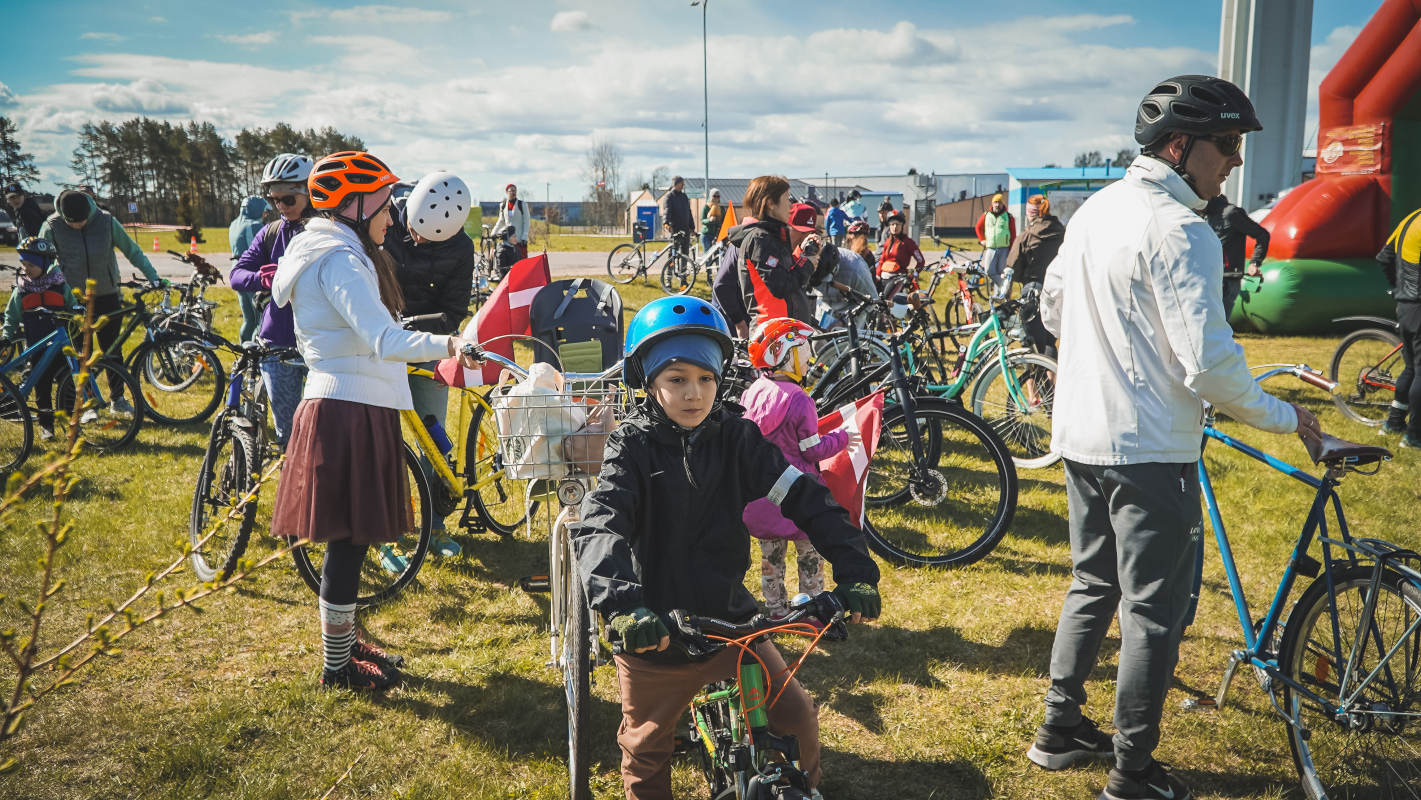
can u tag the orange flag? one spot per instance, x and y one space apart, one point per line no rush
729 221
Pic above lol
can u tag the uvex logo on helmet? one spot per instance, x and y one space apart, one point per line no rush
1228 115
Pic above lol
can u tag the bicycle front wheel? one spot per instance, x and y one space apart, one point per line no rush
1372 747
223 482
625 262
577 665
1022 418
107 421
181 381
951 508
17 432
678 276
499 500
1366 364
388 568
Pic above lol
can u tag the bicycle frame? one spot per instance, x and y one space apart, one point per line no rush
1256 641
452 478
53 346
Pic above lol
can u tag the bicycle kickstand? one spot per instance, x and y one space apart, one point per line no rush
1216 703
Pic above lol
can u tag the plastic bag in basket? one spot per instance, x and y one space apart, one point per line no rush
533 418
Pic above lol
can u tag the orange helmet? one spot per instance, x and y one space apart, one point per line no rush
781 345
341 176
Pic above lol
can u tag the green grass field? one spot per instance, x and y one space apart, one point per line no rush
939 699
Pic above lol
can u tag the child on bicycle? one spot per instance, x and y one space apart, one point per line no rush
663 530
779 348
39 293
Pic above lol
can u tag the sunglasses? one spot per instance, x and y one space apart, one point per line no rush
284 199
1227 145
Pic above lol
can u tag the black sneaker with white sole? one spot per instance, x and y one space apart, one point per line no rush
1151 783
1058 748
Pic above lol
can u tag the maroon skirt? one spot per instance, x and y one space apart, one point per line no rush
345 475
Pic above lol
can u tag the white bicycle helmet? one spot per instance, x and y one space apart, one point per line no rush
438 206
288 168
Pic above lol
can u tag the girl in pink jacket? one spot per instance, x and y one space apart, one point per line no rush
787 417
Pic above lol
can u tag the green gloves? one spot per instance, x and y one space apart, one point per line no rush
860 598
642 630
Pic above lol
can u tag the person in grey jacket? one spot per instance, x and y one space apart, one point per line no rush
1134 296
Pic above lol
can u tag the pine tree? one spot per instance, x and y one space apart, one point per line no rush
16 166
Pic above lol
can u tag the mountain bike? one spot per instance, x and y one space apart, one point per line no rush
180 380
1344 671
238 448
103 427
941 488
628 261
729 740
192 307
1367 363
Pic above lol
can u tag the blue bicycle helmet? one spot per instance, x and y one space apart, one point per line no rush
666 317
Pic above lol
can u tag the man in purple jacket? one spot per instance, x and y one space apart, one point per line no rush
284 182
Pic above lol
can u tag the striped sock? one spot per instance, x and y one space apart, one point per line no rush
337 633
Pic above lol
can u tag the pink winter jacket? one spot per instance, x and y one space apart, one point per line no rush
787 418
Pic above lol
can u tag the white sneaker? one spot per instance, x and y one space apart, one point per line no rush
121 406
89 416
45 434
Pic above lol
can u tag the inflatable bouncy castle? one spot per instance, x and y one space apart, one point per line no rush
1327 231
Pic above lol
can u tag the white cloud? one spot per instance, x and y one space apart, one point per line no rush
571 21
374 53
157 19
1321 59
7 97
144 96
250 40
103 35
374 15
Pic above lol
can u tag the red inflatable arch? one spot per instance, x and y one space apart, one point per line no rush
1369 146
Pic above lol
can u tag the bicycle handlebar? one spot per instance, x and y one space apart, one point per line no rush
1302 372
479 354
692 635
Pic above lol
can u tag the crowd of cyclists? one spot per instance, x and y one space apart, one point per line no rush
1132 289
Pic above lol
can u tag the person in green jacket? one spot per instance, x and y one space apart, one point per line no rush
85 237
712 215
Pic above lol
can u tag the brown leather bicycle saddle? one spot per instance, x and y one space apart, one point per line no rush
1333 452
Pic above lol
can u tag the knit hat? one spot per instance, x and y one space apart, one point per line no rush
997 198
688 348
74 206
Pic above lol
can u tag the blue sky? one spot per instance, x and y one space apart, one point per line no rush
517 91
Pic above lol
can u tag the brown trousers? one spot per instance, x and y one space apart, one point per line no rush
654 695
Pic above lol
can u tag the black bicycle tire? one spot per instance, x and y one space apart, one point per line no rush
147 366
577 683
219 387
979 389
311 573
65 394
223 429
668 274
612 258
1346 382
27 423
510 489
1291 654
998 524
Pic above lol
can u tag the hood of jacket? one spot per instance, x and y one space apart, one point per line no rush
321 237
772 227
768 402
1150 170
253 208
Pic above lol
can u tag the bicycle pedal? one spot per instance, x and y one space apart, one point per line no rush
535 584
681 745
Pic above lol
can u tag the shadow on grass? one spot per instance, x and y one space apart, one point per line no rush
850 775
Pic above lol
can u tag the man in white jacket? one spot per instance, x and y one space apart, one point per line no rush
1134 297
513 214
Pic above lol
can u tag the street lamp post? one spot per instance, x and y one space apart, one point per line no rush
705 67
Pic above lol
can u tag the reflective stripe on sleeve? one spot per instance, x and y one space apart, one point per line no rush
805 444
781 487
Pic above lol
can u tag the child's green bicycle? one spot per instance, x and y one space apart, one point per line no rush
730 739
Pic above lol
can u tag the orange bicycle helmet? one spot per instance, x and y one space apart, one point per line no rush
340 177
781 345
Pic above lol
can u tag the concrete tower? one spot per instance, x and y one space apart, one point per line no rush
1263 48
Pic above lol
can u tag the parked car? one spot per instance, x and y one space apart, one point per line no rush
9 232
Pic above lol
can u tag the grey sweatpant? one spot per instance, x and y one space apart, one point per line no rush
1133 532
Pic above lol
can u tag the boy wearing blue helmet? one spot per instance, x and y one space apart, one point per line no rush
663 530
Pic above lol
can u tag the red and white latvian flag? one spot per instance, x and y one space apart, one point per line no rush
505 313
846 472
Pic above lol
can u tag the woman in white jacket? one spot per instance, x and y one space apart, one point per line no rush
345 482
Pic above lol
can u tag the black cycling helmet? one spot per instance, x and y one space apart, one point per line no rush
1198 105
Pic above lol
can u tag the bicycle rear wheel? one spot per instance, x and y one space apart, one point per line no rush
182 381
1366 364
1024 423
225 478
952 508
103 426
625 262
1374 749
377 583
501 503
17 432
577 666
678 276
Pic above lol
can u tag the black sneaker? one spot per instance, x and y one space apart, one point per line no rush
1058 748
363 651
1151 783
359 676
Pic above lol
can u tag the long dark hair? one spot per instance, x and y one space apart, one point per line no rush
390 295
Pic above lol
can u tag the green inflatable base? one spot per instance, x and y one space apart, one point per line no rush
1303 296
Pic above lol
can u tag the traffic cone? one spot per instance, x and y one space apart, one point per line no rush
155 244
192 248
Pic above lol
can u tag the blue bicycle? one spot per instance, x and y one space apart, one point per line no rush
1344 670
107 419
